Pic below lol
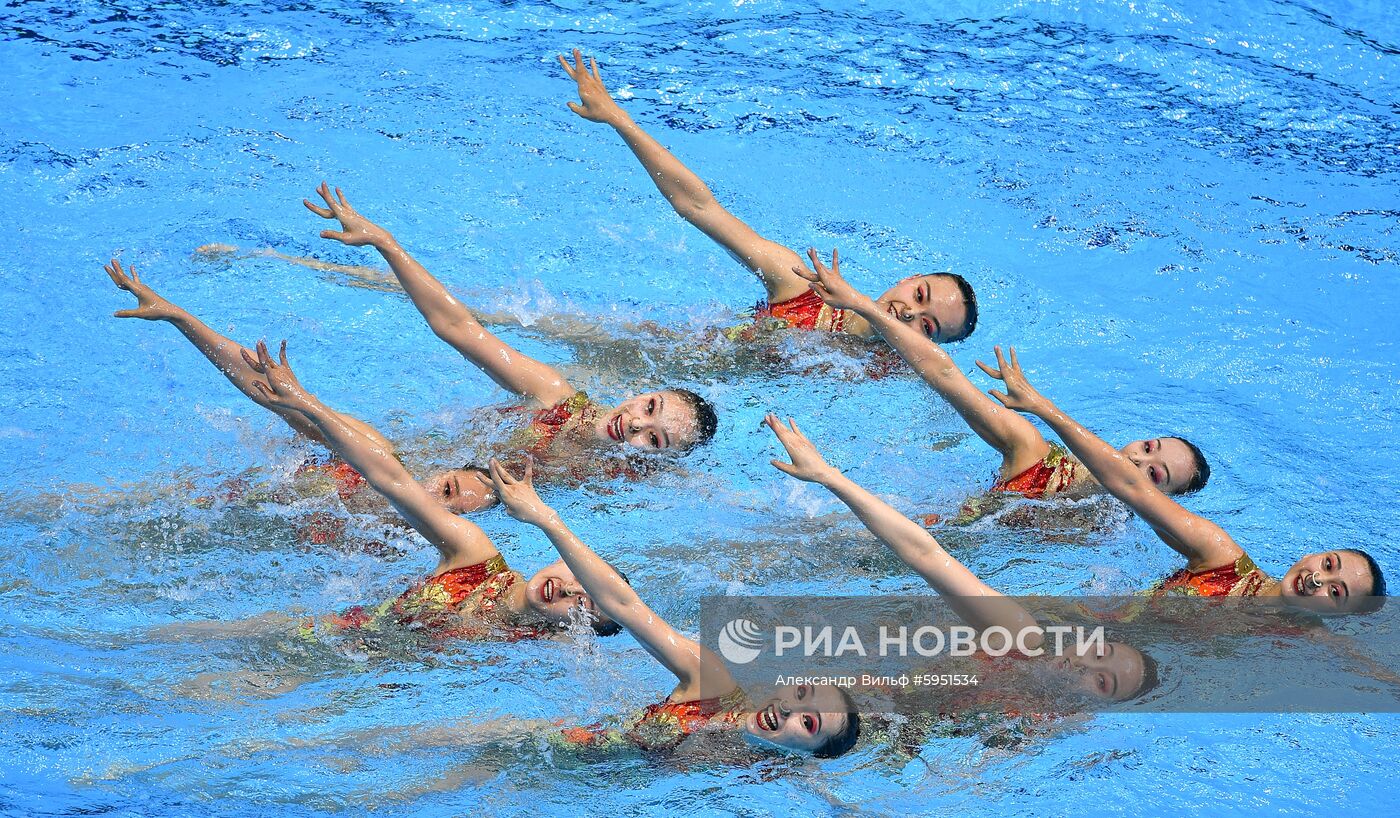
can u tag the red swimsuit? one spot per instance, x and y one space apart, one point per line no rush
805 311
663 726
463 603
1057 472
1239 578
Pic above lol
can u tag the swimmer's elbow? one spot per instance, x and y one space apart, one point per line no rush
696 206
455 330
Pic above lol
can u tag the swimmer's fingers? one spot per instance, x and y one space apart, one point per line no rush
565 63
251 361
805 274
785 468
529 470
318 210
773 423
114 272
493 469
264 359
325 191
344 203
578 61
336 235
1015 364
593 64
1001 360
500 475
1002 398
995 373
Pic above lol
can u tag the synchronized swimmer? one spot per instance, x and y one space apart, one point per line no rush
565 436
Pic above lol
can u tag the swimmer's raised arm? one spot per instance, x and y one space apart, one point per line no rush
690 197
612 595
448 318
980 605
1202 542
459 542
1021 445
224 354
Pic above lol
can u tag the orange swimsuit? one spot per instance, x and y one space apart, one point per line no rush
806 311
347 480
546 424
463 603
1239 578
1053 474
538 438
662 727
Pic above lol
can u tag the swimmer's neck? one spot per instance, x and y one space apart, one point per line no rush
514 600
860 328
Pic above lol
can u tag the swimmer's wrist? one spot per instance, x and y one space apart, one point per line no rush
1041 407
384 241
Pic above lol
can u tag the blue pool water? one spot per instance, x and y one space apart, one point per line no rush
1183 214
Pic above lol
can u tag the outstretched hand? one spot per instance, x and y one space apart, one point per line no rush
279 384
1019 394
830 285
595 103
807 463
149 305
355 230
518 494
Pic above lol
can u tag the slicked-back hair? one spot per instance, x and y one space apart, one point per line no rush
706 421
969 298
1376 599
1202 474
842 742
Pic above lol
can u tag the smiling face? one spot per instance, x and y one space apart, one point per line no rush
800 717
1166 461
1329 582
933 304
461 491
1116 672
657 421
553 593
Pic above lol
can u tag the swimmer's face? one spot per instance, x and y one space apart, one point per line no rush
1329 582
461 490
1114 672
932 304
554 593
656 421
800 717
1166 461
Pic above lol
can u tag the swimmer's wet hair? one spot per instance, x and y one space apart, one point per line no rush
607 627
1150 678
706 421
1376 599
969 303
1202 474
842 742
